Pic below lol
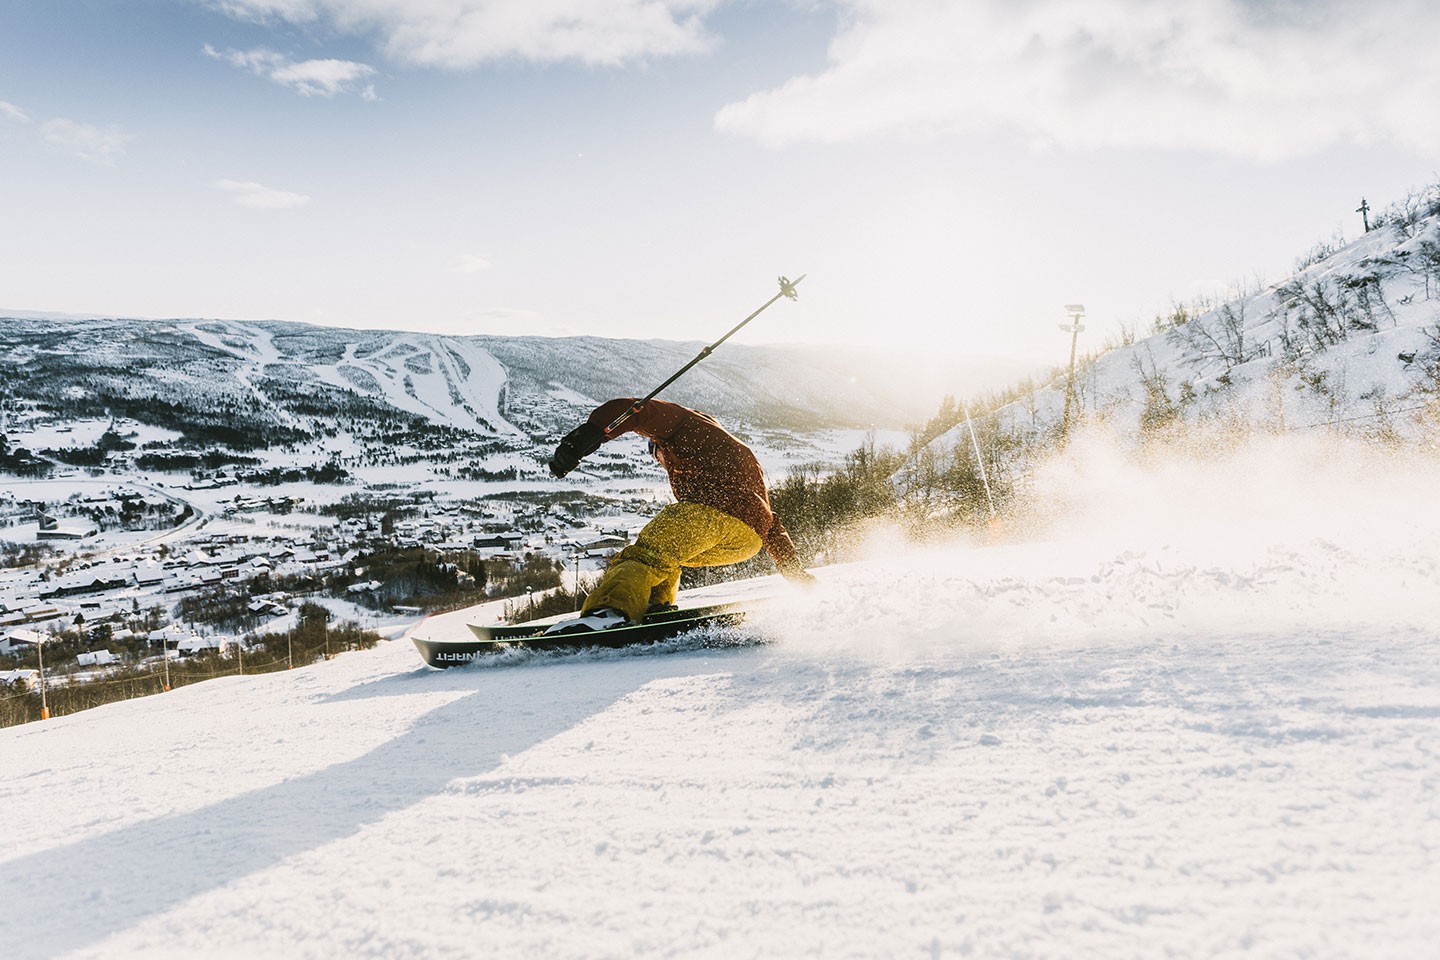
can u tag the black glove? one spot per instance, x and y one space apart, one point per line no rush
577 445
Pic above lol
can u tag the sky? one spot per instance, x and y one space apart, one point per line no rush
948 175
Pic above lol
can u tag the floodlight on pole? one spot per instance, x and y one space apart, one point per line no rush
1074 327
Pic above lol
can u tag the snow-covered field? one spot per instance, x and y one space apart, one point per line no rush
1199 717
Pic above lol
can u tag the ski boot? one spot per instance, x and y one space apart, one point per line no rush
601 618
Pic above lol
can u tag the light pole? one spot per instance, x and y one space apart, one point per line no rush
577 578
1077 313
40 656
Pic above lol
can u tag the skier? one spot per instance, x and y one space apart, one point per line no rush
722 512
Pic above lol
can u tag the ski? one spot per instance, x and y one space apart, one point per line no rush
489 640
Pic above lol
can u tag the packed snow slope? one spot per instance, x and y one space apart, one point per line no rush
1202 725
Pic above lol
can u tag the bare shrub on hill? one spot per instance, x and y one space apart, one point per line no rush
1404 215
1426 262
1323 313
1370 306
965 487
1128 334
1320 251
1160 411
1429 363
930 490
824 511
1218 337
1178 316
1182 314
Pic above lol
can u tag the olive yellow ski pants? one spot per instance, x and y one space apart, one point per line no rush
680 535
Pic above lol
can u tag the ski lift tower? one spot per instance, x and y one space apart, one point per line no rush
1074 327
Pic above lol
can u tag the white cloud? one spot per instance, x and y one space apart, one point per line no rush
465 33
9 111
260 197
295 11
1259 78
323 78
91 143
469 263
96 144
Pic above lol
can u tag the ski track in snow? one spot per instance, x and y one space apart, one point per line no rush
433 385
1070 748
437 387
258 353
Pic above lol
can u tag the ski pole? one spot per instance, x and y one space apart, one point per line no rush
787 289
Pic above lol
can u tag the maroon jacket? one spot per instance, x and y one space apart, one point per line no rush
706 465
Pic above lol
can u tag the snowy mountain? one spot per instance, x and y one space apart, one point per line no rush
269 381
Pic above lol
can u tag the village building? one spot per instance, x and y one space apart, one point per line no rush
51 529
194 645
28 679
19 641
